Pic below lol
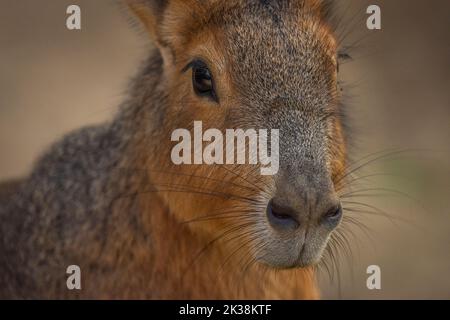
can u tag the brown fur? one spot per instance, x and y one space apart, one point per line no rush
109 199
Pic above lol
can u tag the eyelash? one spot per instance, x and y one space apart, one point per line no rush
201 67
342 56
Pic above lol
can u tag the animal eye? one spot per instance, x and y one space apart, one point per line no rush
342 56
202 80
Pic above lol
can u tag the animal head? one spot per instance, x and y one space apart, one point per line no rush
257 64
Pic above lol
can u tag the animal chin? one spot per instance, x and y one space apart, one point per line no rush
303 257
304 261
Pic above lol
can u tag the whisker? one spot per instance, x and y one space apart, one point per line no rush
242 245
234 213
359 166
204 249
221 182
377 210
381 174
246 180
361 226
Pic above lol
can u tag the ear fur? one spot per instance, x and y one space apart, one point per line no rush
150 13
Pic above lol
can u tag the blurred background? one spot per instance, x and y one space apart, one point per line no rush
397 94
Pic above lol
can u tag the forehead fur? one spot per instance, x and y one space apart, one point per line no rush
273 46
280 47
183 19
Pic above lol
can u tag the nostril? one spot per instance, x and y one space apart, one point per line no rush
334 214
281 218
279 215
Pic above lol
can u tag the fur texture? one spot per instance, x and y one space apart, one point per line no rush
108 199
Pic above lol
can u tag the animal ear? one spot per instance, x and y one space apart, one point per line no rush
170 22
150 13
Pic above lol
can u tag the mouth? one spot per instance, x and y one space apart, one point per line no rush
292 260
306 260
293 241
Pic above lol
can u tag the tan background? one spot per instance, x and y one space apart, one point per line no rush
53 80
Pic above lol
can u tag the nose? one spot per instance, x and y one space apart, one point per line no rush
283 217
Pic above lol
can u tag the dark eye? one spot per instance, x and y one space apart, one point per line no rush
342 56
202 80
